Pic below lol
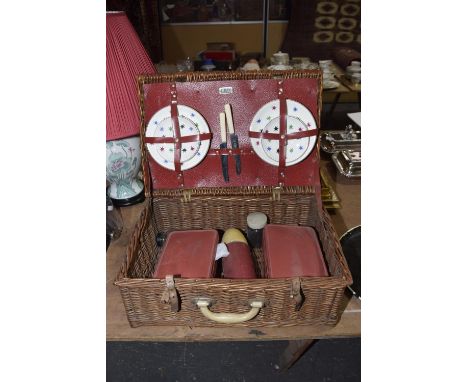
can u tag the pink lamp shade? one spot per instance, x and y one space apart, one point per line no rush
126 58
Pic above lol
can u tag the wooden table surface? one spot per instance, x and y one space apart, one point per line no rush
118 328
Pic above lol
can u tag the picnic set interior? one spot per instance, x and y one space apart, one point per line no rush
234 230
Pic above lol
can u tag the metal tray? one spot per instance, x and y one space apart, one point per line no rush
348 163
332 141
329 197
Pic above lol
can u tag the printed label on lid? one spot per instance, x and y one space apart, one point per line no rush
225 90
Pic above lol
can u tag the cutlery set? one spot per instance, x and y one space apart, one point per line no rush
300 132
223 117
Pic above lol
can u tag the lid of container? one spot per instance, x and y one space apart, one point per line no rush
291 251
188 254
250 94
256 220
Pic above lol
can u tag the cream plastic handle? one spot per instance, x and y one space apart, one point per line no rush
230 122
222 124
229 318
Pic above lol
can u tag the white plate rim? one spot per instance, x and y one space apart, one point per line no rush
311 141
183 111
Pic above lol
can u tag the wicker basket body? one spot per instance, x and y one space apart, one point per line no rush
219 209
287 301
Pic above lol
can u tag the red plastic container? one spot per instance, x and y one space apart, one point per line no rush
189 254
292 251
239 263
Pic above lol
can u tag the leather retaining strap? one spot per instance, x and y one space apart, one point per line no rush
297 135
185 139
283 136
170 295
230 151
177 139
283 110
296 293
175 126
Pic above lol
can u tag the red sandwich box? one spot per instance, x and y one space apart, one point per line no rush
189 254
185 163
291 251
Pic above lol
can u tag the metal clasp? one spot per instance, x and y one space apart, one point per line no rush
186 196
276 194
170 295
296 293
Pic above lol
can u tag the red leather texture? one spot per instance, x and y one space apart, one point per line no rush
282 133
189 254
300 134
246 98
292 251
187 138
178 145
239 264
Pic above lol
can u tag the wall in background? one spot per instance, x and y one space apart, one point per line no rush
144 16
180 41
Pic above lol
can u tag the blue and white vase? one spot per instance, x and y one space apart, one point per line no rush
123 160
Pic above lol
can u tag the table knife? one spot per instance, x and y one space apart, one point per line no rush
223 145
233 136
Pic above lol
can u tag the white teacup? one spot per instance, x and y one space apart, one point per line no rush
324 63
327 74
350 70
251 66
353 69
280 58
356 78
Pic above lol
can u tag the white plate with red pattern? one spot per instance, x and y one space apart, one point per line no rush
266 120
191 122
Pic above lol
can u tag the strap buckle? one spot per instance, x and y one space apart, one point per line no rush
170 296
296 293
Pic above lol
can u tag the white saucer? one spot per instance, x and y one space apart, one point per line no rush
191 122
280 67
329 84
299 118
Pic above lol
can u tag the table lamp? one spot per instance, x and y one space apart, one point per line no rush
126 58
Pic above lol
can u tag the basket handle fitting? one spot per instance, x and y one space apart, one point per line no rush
296 293
228 318
170 295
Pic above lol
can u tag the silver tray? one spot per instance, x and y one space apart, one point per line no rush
348 163
332 141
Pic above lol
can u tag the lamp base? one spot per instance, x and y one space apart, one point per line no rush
129 201
123 162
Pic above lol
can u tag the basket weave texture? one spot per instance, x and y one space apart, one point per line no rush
222 208
142 294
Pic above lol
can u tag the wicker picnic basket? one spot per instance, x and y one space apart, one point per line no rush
176 200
